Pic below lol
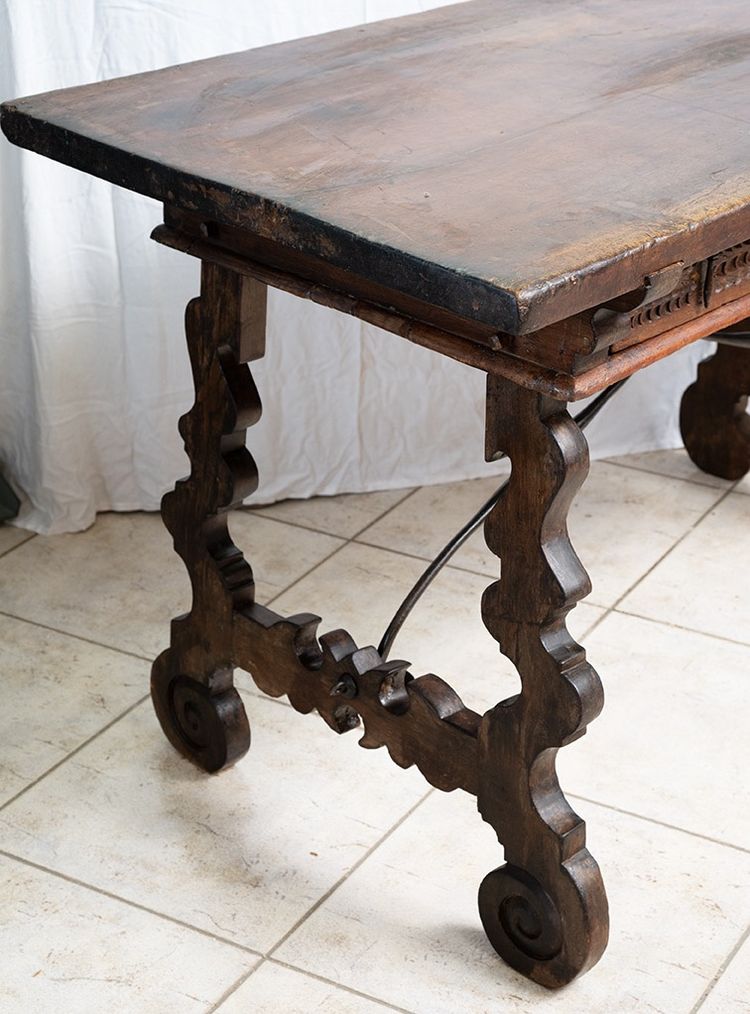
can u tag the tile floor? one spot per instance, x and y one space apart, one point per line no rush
316 876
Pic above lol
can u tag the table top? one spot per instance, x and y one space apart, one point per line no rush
514 161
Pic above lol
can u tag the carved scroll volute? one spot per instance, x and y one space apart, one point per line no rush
545 911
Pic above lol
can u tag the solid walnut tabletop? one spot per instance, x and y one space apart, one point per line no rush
512 161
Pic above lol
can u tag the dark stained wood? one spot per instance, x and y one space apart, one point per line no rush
191 682
676 295
317 271
421 720
713 418
609 370
545 910
512 161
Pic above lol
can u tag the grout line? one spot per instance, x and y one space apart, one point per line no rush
678 626
721 970
597 622
429 559
260 511
661 823
675 544
721 495
666 475
669 624
73 752
355 866
251 512
589 601
126 901
323 898
592 626
307 573
29 537
77 637
338 985
338 549
721 492
386 512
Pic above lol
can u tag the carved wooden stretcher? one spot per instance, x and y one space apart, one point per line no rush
559 238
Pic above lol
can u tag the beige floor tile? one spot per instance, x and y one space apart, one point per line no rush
425 522
671 744
242 855
120 583
64 948
703 584
57 691
675 463
743 486
360 588
274 989
405 926
344 515
11 537
622 521
731 995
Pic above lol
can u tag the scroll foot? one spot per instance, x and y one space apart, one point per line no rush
714 422
206 722
548 937
545 911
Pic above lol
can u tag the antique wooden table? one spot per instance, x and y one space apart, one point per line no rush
557 194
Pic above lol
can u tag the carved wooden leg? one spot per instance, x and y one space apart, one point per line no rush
545 911
715 426
192 681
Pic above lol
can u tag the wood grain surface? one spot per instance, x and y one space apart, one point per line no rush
513 161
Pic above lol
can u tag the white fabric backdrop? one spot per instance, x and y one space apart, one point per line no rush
94 368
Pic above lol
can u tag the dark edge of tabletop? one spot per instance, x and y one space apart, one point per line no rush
467 296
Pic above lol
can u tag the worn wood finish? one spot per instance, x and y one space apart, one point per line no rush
545 910
191 682
669 299
464 349
679 299
714 422
514 162
421 720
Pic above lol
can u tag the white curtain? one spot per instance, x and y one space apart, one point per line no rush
94 373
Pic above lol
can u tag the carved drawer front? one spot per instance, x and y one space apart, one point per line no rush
668 299
682 304
728 275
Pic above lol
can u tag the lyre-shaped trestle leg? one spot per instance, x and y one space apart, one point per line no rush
192 681
545 910
713 419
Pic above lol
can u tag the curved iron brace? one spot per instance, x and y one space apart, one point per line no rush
584 417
